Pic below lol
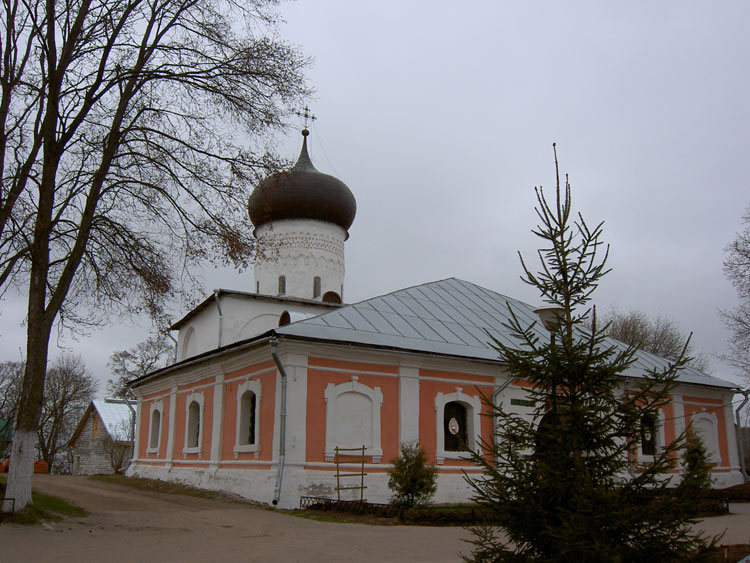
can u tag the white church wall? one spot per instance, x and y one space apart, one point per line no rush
199 335
300 250
242 317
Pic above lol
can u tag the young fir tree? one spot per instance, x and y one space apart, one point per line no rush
412 480
564 486
696 474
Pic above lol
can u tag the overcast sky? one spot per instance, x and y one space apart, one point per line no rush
440 117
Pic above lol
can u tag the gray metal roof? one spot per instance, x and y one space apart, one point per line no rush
116 415
447 317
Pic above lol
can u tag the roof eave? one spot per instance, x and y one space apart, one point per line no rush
229 348
257 296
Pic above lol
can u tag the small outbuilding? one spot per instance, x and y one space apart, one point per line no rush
102 440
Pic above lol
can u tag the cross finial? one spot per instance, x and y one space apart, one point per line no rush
307 116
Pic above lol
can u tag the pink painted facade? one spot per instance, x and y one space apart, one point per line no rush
331 387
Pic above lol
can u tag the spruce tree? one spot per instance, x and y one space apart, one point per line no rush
412 480
564 486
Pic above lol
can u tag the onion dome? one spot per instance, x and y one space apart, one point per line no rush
302 193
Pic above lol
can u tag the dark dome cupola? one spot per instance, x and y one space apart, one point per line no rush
302 193
302 219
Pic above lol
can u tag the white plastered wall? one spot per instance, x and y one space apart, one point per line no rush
242 318
300 250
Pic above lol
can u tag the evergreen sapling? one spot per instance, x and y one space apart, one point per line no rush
564 483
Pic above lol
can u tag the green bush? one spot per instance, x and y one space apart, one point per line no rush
412 480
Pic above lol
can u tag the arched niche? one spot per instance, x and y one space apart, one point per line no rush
353 418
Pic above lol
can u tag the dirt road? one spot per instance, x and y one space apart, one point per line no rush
131 525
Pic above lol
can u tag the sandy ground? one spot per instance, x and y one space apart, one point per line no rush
130 525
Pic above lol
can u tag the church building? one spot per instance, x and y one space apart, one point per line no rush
272 387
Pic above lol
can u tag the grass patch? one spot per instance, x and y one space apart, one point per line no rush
170 488
43 508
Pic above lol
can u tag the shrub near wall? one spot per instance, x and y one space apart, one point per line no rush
412 480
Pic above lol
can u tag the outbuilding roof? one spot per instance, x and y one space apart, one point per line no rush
449 317
115 414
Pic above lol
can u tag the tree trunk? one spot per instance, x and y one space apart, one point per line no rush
38 332
21 470
29 410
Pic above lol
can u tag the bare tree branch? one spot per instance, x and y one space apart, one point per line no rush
130 134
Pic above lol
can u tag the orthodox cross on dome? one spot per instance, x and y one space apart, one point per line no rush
307 117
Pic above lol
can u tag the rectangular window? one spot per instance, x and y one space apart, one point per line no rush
522 403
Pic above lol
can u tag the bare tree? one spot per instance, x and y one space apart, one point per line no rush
659 335
11 375
737 269
125 158
117 446
68 391
145 357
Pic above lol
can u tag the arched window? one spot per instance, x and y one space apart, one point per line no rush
282 285
155 428
455 427
154 434
193 423
247 438
648 435
316 287
458 425
331 297
247 418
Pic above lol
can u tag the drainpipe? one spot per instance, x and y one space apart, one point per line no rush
630 450
282 425
495 395
740 445
132 428
221 317
173 339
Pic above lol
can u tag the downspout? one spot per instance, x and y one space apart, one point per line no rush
173 339
630 449
282 425
132 429
740 445
221 316
495 395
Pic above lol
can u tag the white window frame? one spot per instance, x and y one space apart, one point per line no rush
473 404
659 441
198 398
155 406
252 385
375 395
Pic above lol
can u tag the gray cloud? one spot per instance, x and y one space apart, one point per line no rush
440 118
